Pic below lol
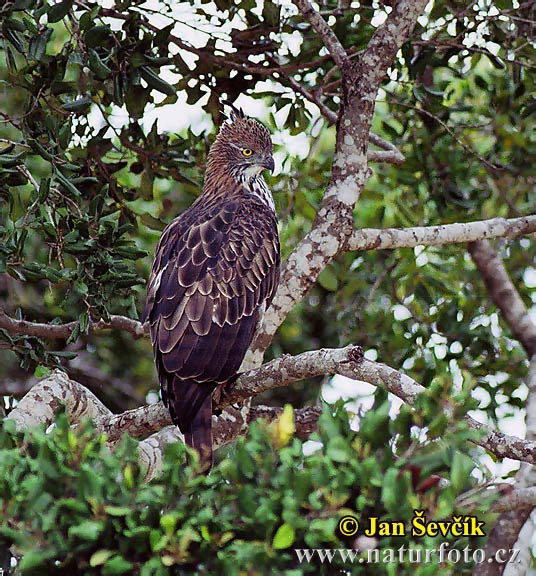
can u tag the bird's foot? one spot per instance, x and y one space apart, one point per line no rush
222 394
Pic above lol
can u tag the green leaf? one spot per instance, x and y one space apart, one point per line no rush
58 11
44 189
97 65
95 36
99 557
117 565
80 105
87 530
154 81
284 537
390 489
42 371
23 4
460 470
338 450
162 36
168 523
34 559
117 510
328 280
38 45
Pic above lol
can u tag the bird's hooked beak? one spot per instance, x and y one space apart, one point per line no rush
268 163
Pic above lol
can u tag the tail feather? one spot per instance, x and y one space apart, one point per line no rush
190 406
199 434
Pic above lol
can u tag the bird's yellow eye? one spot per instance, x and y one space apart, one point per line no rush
247 151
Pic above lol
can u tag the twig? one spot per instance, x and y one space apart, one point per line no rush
504 294
321 27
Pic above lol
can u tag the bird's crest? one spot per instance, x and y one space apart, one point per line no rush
242 130
234 113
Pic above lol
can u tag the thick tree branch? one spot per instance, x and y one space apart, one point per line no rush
512 529
390 238
507 499
504 294
39 405
361 240
153 422
514 500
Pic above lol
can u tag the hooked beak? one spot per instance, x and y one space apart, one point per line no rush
268 163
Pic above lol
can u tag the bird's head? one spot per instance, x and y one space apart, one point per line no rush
243 148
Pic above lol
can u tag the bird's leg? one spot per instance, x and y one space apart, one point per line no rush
222 393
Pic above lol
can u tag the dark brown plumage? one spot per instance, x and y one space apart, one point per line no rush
215 271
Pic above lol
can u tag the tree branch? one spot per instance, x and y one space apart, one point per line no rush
389 157
41 330
45 398
39 405
390 238
514 527
389 153
517 498
508 499
504 293
361 240
321 27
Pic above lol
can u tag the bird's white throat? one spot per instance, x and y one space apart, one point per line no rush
254 183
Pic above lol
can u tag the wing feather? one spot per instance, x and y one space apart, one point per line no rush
215 268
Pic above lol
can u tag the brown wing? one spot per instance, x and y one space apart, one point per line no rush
215 270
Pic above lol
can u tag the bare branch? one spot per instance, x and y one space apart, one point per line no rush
141 422
45 398
504 294
507 498
381 143
510 527
331 42
42 402
41 330
340 362
389 238
389 153
394 157
287 369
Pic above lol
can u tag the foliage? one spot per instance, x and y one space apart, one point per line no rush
84 195
72 507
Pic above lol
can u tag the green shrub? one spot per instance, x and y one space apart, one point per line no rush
70 506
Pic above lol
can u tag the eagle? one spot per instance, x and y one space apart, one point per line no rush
215 272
